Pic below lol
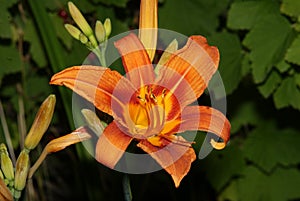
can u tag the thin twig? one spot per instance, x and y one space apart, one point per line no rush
7 134
21 117
127 188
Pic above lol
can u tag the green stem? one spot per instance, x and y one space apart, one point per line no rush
100 53
127 188
53 49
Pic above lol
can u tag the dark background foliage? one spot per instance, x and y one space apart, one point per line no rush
259 43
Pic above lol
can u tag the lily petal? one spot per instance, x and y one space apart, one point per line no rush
175 159
135 60
188 71
206 119
111 145
99 85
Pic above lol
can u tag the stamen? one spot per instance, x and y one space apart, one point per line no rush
178 141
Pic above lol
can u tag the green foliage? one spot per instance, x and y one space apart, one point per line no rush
259 44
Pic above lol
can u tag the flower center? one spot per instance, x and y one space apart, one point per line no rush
147 111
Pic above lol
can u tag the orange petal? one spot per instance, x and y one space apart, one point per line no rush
206 119
111 145
189 69
175 159
96 84
135 60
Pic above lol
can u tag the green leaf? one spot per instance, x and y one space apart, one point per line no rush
290 7
268 87
230 59
5 25
292 54
119 3
267 41
5 18
268 146
36 48
283 66
245 14
221 166
191 17
287 94
282 185
10 61
244 114
60 30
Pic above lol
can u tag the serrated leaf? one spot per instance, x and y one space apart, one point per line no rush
245 14
268 146
290 7
246 65
191 17
272 82
220 167
230 59
292 54
265 53
244 114
283 66
36 49
287 94
281 185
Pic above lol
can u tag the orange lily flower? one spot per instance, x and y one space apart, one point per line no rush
152 109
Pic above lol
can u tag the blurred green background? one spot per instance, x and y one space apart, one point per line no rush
259 43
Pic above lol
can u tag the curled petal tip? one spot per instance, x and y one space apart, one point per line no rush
217 145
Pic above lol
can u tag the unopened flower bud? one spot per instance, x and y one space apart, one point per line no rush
100 31
22 168
79 19
93 121
41 123
172 47
6 163
107 27
73 31
83 39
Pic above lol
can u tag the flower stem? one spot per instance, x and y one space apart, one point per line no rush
127 188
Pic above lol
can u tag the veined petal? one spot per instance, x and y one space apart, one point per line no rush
174 158
99 85
188 71
206 119
135 60
111 145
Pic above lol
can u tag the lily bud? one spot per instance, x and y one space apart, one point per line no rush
148 26
100 31
82 23
41 123
172 47
107 27
79 19
73 31
6 164
5 194
83 39
22 168
93 121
